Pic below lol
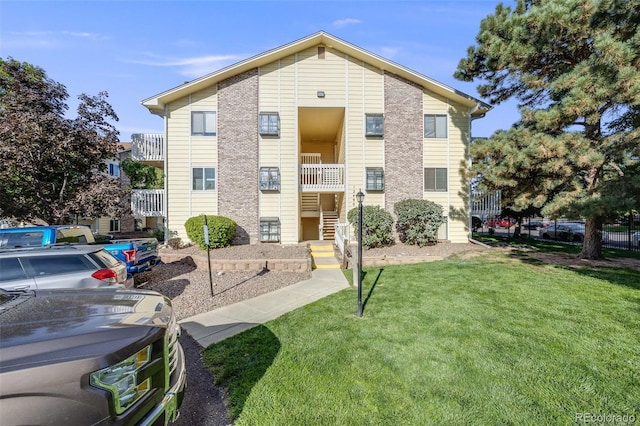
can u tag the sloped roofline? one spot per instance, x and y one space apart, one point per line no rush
156 103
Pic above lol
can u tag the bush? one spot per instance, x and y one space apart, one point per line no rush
158 234
377 226
175 243
418 221
221 231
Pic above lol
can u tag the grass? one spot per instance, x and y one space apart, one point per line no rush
487 340
551 245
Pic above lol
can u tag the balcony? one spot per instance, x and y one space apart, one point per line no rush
147 147
148 202
322 177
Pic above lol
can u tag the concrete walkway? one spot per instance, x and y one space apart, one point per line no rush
217 325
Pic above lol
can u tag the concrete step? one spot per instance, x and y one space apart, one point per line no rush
323 256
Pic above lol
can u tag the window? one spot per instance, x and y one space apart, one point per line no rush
374 124
375 179
269 179
435 125
114 225
269 124
435 179
203 123
114 169
269 229
204 179
11 269
53 265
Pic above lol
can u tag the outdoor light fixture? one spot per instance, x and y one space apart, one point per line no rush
360 199
320 93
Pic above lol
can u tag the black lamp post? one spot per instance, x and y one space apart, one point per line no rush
360 199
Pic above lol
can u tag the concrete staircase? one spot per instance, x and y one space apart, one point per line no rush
323 255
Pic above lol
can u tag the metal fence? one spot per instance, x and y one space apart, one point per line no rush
623 234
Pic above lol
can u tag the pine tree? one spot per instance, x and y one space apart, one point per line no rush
574 67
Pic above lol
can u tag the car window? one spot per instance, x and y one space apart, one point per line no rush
51 265
10 269
104 259
21 239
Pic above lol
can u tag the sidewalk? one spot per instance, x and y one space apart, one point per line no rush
215 326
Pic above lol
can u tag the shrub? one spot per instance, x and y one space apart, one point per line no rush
377 226
175 243
418 221
158 234
221 231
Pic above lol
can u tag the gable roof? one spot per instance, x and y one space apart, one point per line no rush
156 103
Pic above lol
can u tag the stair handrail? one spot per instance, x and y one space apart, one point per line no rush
341 236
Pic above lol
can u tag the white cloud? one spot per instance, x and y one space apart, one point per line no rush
45 39
340 23
189 67
83 35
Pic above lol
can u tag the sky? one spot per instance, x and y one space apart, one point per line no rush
134 50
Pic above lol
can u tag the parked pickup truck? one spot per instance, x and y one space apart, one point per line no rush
139 254
89 357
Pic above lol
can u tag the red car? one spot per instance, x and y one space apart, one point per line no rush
500 223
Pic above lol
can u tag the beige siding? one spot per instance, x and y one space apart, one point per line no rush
366 95
184 152
283 93
270 148
373 103
450 153
332 81
458 141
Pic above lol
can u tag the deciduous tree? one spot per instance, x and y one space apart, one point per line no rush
574 67
53 168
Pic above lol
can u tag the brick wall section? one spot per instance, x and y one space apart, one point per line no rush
403 135
238 154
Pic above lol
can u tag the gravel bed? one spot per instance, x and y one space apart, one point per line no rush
190 288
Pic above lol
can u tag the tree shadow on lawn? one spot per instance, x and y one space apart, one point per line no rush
619 276
614 271
240 362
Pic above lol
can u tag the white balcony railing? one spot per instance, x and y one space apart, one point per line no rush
147 146
322 177
148 202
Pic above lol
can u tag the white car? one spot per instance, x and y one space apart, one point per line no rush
635 239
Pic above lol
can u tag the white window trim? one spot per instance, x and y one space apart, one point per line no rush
204 179
435 168
114 225
435 115
204 133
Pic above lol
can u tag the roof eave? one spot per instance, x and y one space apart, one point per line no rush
156 103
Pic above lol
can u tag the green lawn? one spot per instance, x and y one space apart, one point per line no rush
490 340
